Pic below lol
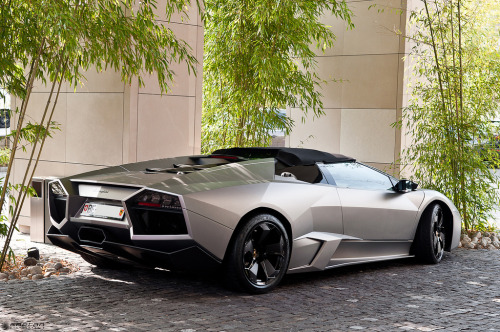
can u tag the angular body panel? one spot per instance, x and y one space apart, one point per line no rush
376 215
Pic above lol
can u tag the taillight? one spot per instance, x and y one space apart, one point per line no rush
57 189
219 156
57 199
157 200
156 213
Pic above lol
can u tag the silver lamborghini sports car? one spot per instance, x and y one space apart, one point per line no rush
257 213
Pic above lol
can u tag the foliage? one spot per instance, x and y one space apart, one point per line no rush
259 59
4 220
56 41
4 157
455 94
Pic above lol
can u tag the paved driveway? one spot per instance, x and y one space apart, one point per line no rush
460 294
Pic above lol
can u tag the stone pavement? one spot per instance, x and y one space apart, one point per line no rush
462 293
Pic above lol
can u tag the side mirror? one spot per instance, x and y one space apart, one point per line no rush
404 186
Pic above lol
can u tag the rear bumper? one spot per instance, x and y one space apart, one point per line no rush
181 255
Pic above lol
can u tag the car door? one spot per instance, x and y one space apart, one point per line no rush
371 210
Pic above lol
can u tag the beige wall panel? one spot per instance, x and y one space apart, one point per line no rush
39 86
197 125
128 108
164 127
371 81
339 29
387 167
374 31
406 95
95 128
23 224
130 124
191 126
184 82
45 168
54 148
195 130
200 39
94 81
330 69
198 91
72 169
367 135
400 96
321 133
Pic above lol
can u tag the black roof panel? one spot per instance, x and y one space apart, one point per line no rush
288 156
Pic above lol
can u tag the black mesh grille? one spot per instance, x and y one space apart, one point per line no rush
157 222
57 207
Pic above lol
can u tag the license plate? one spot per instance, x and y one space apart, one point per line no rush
102 211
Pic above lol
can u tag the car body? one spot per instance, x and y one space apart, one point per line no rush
256 212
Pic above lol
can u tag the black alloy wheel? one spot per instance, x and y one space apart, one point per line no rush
259 255
430 237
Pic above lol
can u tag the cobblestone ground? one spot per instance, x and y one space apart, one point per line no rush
460 294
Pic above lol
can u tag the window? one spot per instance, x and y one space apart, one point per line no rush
357 176
307 173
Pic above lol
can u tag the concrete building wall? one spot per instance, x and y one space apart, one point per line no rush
406 137
106 122
363 97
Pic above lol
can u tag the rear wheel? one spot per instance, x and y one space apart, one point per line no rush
259 256
430 237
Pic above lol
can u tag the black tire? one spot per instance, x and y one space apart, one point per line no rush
430 237
101 262
258 257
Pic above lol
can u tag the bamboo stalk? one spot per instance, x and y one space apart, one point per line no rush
32 74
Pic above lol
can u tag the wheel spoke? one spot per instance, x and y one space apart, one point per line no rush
248 247
248 253
437 234
269 269
252 271
263 233
438 244
275 249
440 221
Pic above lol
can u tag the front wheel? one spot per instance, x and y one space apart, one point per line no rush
430 237
258 257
